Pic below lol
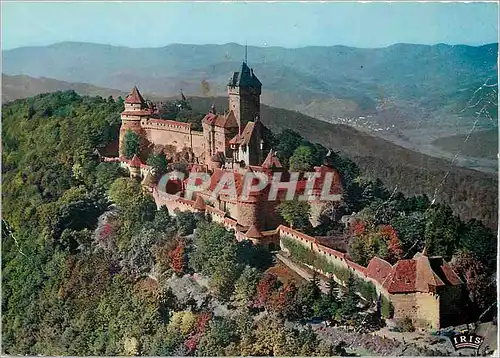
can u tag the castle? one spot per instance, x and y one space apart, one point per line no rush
230 142
424 289
227 138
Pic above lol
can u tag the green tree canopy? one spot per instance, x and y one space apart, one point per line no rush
302 159
159 164
296 213
131 144
441 231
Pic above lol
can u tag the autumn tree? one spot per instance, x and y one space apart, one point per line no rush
480 281
381 241
285 301
198 332
266 287
178 259
395 252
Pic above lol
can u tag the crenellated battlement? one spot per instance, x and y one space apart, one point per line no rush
164 124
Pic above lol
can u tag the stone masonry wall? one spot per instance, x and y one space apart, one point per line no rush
421 308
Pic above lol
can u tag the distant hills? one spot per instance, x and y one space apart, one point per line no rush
482 144
21 86
411 95
402 84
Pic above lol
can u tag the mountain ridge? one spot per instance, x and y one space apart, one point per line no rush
438 78
254 46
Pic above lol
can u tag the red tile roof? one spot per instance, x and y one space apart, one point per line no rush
336 186
199 203
232 178
442 269
403 277
450 275
419 274
324 171
221 120
427 280
134 97
235 140
378 269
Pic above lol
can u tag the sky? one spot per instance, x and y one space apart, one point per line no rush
156 24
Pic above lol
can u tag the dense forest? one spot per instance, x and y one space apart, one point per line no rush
73 284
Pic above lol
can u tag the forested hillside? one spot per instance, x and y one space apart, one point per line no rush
69 289
73 284
20 86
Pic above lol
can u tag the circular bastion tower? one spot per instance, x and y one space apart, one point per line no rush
136 109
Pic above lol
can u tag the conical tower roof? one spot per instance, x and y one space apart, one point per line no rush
135 97
253 232
135 162
199 203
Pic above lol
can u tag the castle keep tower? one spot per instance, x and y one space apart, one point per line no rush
244 89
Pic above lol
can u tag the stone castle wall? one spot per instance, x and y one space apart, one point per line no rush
175 134
422 308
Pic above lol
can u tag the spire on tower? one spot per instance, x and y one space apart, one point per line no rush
246 52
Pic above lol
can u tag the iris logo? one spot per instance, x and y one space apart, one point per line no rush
466 340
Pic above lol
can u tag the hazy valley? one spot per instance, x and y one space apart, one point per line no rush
411 95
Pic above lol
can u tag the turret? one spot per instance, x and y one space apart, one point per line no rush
136 109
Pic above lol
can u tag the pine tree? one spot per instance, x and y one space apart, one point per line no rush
351 299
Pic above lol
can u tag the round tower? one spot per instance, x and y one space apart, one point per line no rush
136 109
